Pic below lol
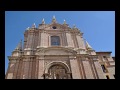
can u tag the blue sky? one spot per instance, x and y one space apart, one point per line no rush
98 27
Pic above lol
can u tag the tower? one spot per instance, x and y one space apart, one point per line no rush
56 51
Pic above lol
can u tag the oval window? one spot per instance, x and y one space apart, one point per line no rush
54 27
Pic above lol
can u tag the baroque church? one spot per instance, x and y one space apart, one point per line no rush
56 51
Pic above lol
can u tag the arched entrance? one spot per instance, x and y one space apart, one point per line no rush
57 70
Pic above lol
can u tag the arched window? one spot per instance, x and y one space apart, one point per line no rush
55 40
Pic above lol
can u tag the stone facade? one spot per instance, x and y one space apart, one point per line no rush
67 56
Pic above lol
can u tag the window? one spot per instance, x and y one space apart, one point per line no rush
55 40
54 27
104 57
107 77
103 68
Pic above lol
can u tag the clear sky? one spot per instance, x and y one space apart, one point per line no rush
98 27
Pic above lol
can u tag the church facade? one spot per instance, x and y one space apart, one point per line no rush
56 51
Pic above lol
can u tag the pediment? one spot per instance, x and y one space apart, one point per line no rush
56 26
55 51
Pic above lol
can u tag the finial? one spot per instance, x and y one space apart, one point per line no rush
28 28
88 46
64 21
74 26
53 16
19 46
54 19
34 26
43 22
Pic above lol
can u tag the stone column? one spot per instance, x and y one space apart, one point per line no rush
41 67
75 40
65 39
22 70
19 69
79 60
95 74
28 38
49 40
36 68
80 41
31 40
33 69
9 74
42 39
99 70
39 39
87 68
45 39
74 68
32 43
26 68
69 40
16 69
30 69
36 39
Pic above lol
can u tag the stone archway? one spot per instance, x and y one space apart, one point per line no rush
57 70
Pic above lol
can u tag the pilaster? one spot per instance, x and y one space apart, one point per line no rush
41 67
74 68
